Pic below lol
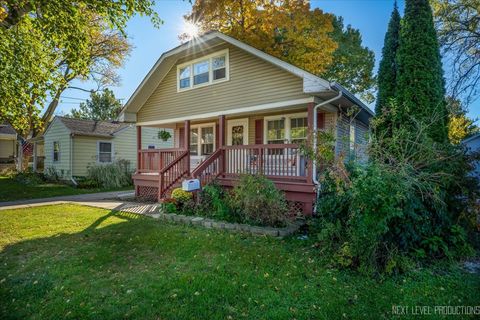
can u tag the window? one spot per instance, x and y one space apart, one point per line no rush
202 139
56 151
184 76
105 152
207 70
200 72
276 131
207 140
298 129
194 141
352 137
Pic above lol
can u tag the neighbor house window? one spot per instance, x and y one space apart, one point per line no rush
56 151
352 137
206 70
202 139
105 152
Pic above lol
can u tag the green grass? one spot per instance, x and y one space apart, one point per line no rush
77 262
11 190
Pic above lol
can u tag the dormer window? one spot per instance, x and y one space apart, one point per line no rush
204 71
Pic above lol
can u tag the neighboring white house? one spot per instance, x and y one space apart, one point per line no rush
8 146
72 145
473 145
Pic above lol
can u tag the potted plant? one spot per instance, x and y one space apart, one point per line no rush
164 135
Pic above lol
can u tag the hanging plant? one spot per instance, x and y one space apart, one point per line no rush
164 135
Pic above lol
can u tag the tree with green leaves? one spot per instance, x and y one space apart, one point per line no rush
37 36
387 71
420 83
294 32
101 106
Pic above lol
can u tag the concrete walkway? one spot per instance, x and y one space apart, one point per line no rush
106 200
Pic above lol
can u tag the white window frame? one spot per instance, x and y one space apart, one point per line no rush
98 152
352 136
199 144
287 118
209 57
53 151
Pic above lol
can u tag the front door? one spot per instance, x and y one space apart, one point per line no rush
237 132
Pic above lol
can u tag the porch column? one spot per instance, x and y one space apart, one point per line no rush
186 140
221 140
35 157
310 120
139 146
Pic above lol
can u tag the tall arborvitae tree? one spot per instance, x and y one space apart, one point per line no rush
420 84
387 72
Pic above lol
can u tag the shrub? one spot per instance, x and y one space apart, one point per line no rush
181 196
28 177
114 175
52 175
213 202
8 172
256 200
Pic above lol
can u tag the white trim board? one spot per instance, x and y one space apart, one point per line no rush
268 106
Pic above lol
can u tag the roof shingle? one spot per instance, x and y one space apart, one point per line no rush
92 127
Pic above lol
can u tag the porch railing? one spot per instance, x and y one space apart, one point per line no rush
273 160
211 168
154 160
176 170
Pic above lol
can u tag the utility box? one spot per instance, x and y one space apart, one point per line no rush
191 185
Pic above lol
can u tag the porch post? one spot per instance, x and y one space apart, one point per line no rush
310 121
35 157
187 142
221 140
139 146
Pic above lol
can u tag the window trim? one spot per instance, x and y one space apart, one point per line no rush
287 118
53 152
199 144
208 57
111 152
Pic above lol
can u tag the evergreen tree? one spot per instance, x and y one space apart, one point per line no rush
102 106
387 72
420 83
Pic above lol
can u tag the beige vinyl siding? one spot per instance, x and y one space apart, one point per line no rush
125 146
7 148
58 132
150 137
253 81
85 153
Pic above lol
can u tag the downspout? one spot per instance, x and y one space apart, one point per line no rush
315 128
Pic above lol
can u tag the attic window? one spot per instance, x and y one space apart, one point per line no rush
203 71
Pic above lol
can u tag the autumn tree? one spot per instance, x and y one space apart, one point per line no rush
37 36
458 27
460 126
101 106
294 32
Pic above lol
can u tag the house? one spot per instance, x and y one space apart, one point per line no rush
473 145
72 145
235 109
8 146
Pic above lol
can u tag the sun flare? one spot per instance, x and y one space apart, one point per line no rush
190 29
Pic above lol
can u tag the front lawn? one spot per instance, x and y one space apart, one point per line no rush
77 262
11 190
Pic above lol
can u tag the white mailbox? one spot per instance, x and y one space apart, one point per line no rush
191 185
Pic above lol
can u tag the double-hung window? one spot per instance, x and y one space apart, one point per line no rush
290 128
206 70
56 151
298 129
105 151
276 131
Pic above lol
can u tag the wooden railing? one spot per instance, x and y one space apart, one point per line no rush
211 168
273 160
174 172
154 160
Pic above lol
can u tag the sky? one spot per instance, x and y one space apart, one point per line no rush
369 16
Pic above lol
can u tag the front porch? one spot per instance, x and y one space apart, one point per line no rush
223 151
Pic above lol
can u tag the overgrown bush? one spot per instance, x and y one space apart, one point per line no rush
8 172
114 175
181 195
257 201
214 202
28 177
52 175
409 204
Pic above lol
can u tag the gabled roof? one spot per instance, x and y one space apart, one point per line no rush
311 83
81 127
5 128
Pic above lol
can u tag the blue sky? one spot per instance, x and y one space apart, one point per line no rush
369 16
